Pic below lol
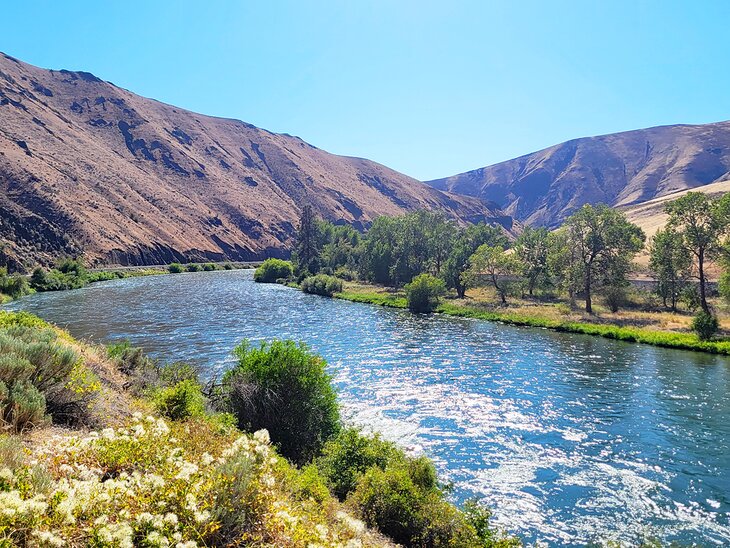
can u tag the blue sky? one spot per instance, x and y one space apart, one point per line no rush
428 88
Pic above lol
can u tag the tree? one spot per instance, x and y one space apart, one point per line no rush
562 262
604 243
499 266
531 248
465 243
307 248
700 222
670 263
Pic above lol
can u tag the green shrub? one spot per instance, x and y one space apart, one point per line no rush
615 297
284 388
322 284
272 270
227 266
181 401
348 456
424 293
345 273
13 286
175 268
705 325
209 267
392 501
72 267
193 267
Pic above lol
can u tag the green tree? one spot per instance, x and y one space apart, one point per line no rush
563 263
465 243
308 240
603 243
531 248
701 222
670 263
499 267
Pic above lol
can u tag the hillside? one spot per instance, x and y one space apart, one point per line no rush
89 168
620 169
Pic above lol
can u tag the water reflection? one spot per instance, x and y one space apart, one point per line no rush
568 437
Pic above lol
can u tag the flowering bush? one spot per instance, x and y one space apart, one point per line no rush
151 483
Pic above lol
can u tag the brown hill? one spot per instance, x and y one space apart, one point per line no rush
87 167
620 169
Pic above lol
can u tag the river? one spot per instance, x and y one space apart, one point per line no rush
569 438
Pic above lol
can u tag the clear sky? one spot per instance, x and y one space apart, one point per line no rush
430 88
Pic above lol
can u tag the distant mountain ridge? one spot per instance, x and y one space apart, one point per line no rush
619 169
89 168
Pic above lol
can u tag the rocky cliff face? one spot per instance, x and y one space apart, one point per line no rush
618 169
89 168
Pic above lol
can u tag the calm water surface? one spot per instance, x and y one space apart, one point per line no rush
569 438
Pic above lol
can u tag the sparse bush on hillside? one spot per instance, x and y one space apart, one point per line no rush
705 325
175 268
322 284
424 293
272 270
283 387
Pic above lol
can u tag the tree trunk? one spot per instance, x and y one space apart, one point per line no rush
587 288
701 268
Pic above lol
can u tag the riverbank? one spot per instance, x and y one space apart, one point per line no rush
138 455
555 316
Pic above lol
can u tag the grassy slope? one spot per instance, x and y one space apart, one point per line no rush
556 317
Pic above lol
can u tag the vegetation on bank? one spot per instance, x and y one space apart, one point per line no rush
169 462
437 262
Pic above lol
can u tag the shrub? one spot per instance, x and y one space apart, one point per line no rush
175 268
181 401
193 267
348 456
227 266
272 270
284 388
705 325
209 267
322 284
615 297
38 376
424 293
345 273
13 286
393 501
71 266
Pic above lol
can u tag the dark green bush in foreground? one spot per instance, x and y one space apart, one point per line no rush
705 325
175 268
283 387
424 293
193 267
400 496
272 270
322 284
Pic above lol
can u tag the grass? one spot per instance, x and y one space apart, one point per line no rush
556 316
